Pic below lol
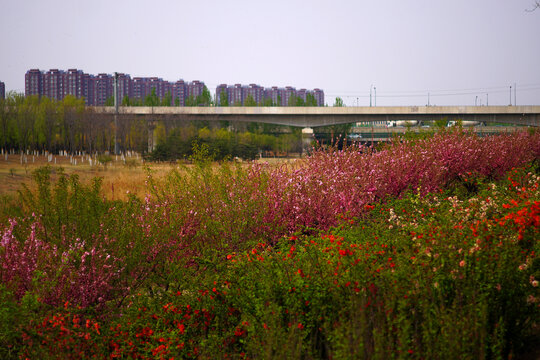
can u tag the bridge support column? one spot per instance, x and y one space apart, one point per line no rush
151 136
307 137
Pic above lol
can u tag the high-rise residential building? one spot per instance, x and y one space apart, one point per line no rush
179 92
156 84
302 94
73 83
195 88
287 94
53 84
235 95
253 90
33 83
2 90
124 87
141 87
319 96
88 89
167 91
138 86
221 89
103 88
272 93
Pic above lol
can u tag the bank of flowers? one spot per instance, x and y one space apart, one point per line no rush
409 251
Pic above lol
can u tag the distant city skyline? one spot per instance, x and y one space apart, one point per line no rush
97 89
412 52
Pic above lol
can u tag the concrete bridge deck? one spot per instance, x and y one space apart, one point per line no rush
323 116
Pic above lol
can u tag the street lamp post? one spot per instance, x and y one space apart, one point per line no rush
116 104
375 89
370 89
510 95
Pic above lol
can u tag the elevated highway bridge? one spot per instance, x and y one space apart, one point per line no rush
324 116
310 117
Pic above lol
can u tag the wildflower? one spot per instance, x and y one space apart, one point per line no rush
462 263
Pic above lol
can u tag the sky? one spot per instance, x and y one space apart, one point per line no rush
407 52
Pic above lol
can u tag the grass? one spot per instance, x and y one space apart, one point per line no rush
119 177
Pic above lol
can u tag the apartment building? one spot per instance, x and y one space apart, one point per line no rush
279 96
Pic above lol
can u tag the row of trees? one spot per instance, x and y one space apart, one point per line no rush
32 123
221 143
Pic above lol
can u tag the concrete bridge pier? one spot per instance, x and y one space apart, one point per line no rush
307 137
151 135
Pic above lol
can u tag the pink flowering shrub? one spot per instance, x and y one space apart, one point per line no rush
207 208
331 182
74 274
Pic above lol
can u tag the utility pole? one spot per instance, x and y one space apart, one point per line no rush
115 112
370 88
510 95
487 99
375 89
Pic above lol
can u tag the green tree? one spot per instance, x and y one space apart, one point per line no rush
310 100
26 119
109 101
250 101
267 102
190 101
126 101
167 99
292 101
205 99
152 99
4 116
339 102
72 110
223 98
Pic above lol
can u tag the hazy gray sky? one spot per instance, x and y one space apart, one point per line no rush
404 48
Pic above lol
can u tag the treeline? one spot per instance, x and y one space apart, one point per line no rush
205 99
34 123
222 144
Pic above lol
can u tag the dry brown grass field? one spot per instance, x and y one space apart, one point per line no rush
118 176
